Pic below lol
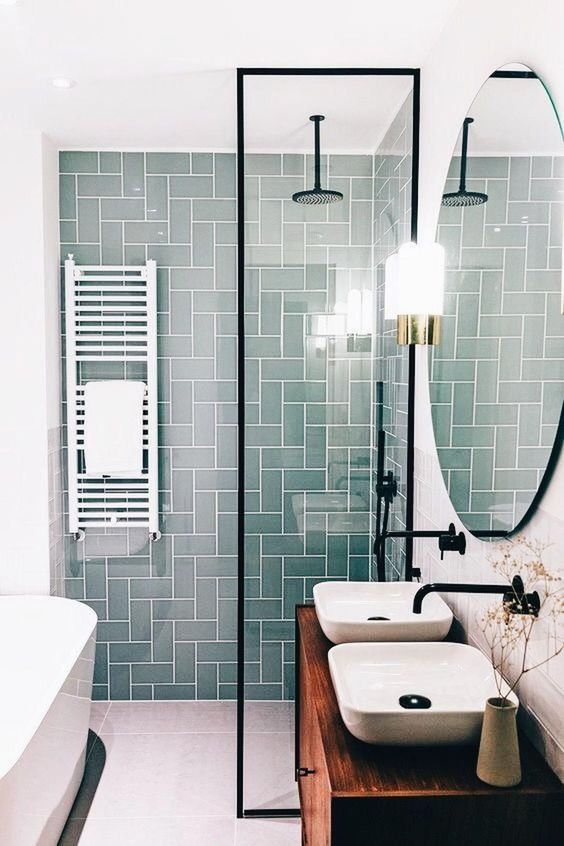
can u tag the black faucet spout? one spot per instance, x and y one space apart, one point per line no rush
514 596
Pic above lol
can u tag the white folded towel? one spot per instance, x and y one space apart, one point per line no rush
113 427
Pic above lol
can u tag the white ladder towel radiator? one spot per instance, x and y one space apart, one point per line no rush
111 316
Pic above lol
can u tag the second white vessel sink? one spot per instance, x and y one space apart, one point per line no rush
412 694
351 612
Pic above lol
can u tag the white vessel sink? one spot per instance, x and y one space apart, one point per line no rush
371 678
344 609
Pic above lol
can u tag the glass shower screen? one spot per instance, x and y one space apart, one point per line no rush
313 346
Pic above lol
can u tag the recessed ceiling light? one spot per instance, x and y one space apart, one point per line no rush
62 82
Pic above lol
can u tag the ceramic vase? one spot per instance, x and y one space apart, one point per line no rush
498 759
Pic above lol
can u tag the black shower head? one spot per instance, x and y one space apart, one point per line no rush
463 198
317 196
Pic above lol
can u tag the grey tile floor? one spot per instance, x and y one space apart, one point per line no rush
164 773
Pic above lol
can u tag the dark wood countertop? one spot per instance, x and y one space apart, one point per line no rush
357 769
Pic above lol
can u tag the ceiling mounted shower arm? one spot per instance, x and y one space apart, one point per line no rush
317 150
464 156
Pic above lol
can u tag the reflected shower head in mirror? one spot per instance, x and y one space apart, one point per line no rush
317 196
463 198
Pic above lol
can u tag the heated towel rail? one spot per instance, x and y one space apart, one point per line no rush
110 317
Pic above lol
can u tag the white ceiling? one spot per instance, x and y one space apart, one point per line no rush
513 116
160 73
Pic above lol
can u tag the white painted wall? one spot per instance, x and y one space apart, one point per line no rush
479 38
29 385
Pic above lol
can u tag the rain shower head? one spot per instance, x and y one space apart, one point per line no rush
317 196
463 198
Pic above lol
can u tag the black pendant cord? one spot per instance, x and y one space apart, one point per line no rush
464 156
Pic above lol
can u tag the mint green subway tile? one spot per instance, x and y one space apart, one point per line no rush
263 609
293 425
459 489
514 271
487 258
512 480
293 164
99 186
454 458
513 235
226 233
361 188
450 238
537 247
520 392
529 425
350 165
201 163
110 162
112 242
304 480
184 663
263 164
263 435
168 163
280 187
226 268
487 381
83 253
226 363
488 166
482 469
143 233
180 220
67 196
214 301
491 292
541 166
126 209
282 458
188 278
351 257
348 436
191 186
304 302
76 161
206 599
120 682
270 314
534 458
282 279
500 325
496 207
473 227
133 174
304 392
473 436
169 256
496 414
477 348
88 220
263 256
259 524
519 178
281 369
203 244
327 233
528 212
293 335
271 222
214 209
271 662
225 175
68 230
442 424
546 189
463 404
271 402
510 358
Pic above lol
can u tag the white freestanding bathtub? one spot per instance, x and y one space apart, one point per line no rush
46 666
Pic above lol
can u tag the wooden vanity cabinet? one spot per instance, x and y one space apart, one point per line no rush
354 794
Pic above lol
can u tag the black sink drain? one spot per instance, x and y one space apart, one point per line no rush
377 618
414 700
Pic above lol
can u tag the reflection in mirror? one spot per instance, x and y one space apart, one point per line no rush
497 378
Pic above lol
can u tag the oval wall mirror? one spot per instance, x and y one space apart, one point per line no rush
497 377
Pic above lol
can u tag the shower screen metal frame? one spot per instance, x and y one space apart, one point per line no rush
415 74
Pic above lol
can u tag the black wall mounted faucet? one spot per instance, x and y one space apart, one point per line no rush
514 596
449 541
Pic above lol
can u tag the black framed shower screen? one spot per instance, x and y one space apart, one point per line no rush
242 74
